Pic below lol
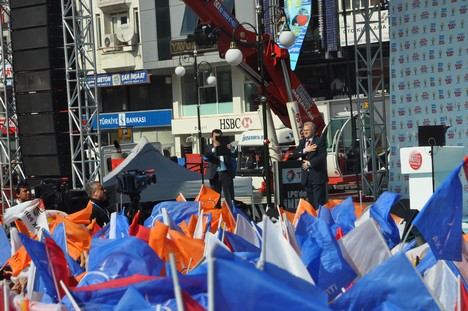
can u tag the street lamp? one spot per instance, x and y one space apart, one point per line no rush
198 68
234 57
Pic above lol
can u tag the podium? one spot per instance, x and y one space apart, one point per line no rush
417 163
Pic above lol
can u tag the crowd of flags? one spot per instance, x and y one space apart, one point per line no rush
189 255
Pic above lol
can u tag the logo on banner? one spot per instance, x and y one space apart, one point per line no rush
246 122
122 121
415 160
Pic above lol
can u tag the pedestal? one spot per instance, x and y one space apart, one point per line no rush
417 163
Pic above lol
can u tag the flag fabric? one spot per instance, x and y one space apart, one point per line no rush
191 249
179 211
191 304
325 214
246 230
277 250
393 285
132 300
119 258
163 246
5 247
83 216
443 284
364 247
38 253
60 238
207 197
138 230
238 285
380 212
78 238
344 215
463 294
440 219
303 206
322 256
18 261
31 213
181 198
107 295
239 244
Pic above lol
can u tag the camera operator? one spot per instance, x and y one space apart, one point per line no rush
101 211
221 170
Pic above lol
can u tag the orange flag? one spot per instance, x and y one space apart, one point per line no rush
302 207
191 249
19 261
162 246
290 216
180 198
78 238
138 230
207 197
83 216
228 218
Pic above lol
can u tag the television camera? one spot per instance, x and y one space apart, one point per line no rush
132 183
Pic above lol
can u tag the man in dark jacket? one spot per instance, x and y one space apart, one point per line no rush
97 195
313 152
220 170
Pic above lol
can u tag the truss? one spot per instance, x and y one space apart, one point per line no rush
10 152
370 83
80 61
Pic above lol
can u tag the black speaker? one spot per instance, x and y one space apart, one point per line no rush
36 37
47 165
36 59
42 101
431 135
43 123
42 80
46 144
22 3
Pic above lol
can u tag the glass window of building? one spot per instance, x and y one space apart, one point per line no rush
213 99
251 96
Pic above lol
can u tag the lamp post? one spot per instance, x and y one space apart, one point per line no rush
234 57
211 80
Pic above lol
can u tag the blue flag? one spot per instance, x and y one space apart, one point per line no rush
344 215
380 212
155 290
133 300
324 214
239 244
5 246
179 211
440 219
392 285
239 285
119 258
322 256
37 251
59 236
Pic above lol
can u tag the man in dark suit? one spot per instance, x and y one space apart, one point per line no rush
220 170
313 152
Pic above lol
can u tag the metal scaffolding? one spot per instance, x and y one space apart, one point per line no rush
80 61
372 129
10 151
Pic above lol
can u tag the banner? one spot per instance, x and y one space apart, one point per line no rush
298 12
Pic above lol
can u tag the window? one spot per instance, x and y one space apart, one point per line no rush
251 96
190 20
349 4
98 31
136 24
213 99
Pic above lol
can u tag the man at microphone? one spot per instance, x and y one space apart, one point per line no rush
312 150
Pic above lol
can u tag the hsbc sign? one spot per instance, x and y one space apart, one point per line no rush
235 123
231 123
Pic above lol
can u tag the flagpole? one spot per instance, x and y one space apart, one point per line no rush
459 293
261 260
6 296
72 300
175 280
211 306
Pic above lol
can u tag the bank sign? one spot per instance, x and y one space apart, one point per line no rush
119 79
150 118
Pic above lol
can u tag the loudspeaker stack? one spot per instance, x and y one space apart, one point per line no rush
40 87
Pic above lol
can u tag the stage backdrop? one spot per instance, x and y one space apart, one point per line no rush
429 77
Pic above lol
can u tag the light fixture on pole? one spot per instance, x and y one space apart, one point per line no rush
234 57
198 68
